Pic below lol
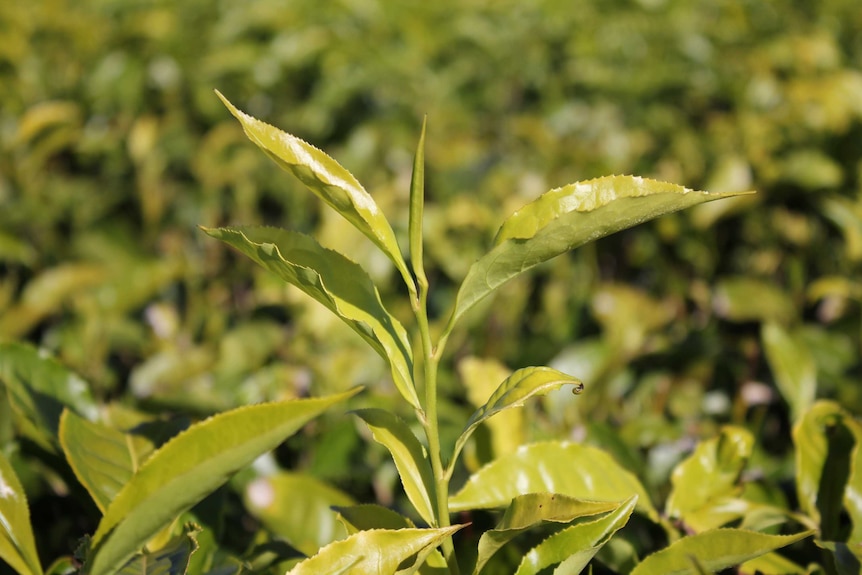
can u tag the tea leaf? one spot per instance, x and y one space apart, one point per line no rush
792 365
409 456
298 508
565 218
530 510
189 467
327 179
514 392
379 551
39 389
17 545
417 205
575 546
338 283
570 469
715 550
101 457
708 476
172 559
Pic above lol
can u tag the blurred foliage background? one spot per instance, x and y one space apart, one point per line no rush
113 149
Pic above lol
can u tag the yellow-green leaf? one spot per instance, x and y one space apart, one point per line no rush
409 456
298 508
571 469
714 550
707 478
792 366
530 510
189 467
514 392
327 179
336 282
575 546
565 218
378 551
17 546
40 388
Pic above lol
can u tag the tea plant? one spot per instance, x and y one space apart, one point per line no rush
576 496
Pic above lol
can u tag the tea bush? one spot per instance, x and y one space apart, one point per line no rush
694 332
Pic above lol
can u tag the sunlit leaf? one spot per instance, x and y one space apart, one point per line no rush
298 508
409 456
17 546
770 564
480 378
40 387
514 392
327 179
379 551
715 550
189 467
575 546
792 365
708 477
530 510
565 218
571 469
417 208
336 282
370 516
102 458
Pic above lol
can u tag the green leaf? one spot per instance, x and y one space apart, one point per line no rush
378 551
530 510
336 282
17 546
565 218
417 206
370 516
298 508
327 179
715 550
570 469
575 546
771 564
189 467
705 480
102 458
514 392
409 456
39 388
826 440
746 299
792 365
172 559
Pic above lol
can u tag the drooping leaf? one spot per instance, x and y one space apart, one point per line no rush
172 559
40 387
189 467
565 218
378 551
480 378
17 545
530 510
101 457
792 365
298 508
514 392
827 443
706 479
571 469
574 547
327 179
715 550
336 282
409 456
